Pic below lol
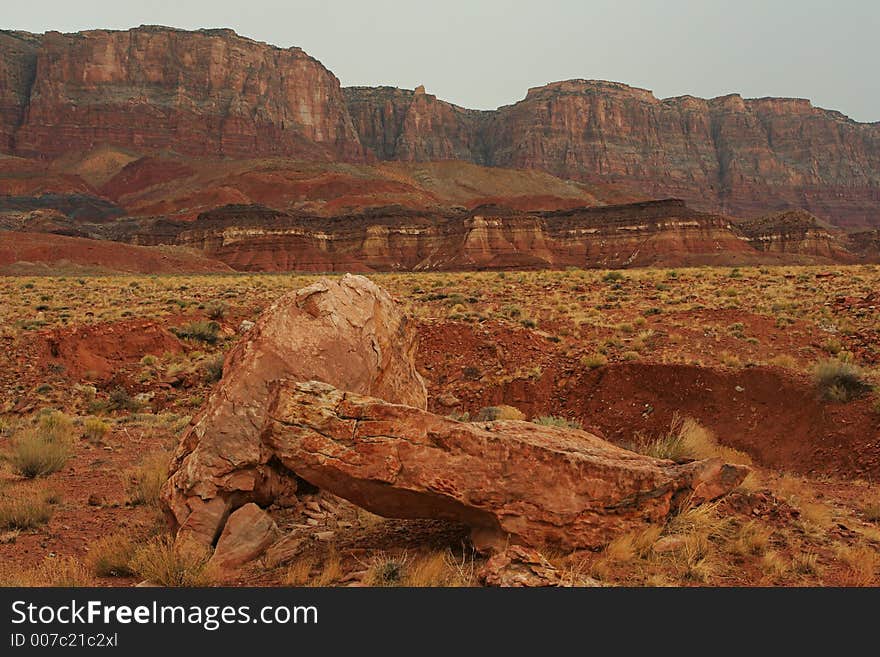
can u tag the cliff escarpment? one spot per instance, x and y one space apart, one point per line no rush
208 92
211 93
653 233
727 154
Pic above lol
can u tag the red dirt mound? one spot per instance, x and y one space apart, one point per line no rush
32 253
101 349
774 415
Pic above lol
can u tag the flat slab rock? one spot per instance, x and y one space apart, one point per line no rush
510 481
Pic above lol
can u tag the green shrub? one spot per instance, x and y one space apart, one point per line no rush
213 368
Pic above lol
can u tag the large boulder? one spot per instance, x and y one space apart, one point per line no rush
346 332
510 481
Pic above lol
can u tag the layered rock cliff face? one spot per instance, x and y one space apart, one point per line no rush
658 233
413 126
18 65
209 92
212 92
796 232
727 154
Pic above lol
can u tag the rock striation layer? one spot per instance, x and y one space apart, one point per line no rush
727 154
209 92
653 233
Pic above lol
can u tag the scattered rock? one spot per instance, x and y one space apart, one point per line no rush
245 326
520 567
667 544
510 481
449 401
246 535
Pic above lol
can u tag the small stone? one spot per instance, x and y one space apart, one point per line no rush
667 544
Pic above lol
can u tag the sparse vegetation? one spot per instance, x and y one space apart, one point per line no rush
169 563
112 556
688 439
42 449
557 421
200 330
24 509
839 381
146 479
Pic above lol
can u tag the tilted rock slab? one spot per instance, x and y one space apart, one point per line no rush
510 481
346 332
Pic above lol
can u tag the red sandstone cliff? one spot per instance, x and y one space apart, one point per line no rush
413 126
18 64
726 154
209 92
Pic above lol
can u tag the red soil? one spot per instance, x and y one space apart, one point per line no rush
774 415
102 349
28 252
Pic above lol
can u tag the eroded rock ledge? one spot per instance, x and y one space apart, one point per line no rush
510 481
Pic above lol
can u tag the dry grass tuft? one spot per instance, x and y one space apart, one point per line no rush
300 572
430 570
112 556
53 571
45 448
774 565
839 381
331 570
751 539
145 481
632 545
688 439
25 509
863 564
170 563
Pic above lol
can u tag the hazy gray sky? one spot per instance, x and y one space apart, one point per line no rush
482 54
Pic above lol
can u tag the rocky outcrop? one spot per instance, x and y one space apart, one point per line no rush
399 124
510 481
18 65
655 233
209 92
346 332
728 154
796 232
